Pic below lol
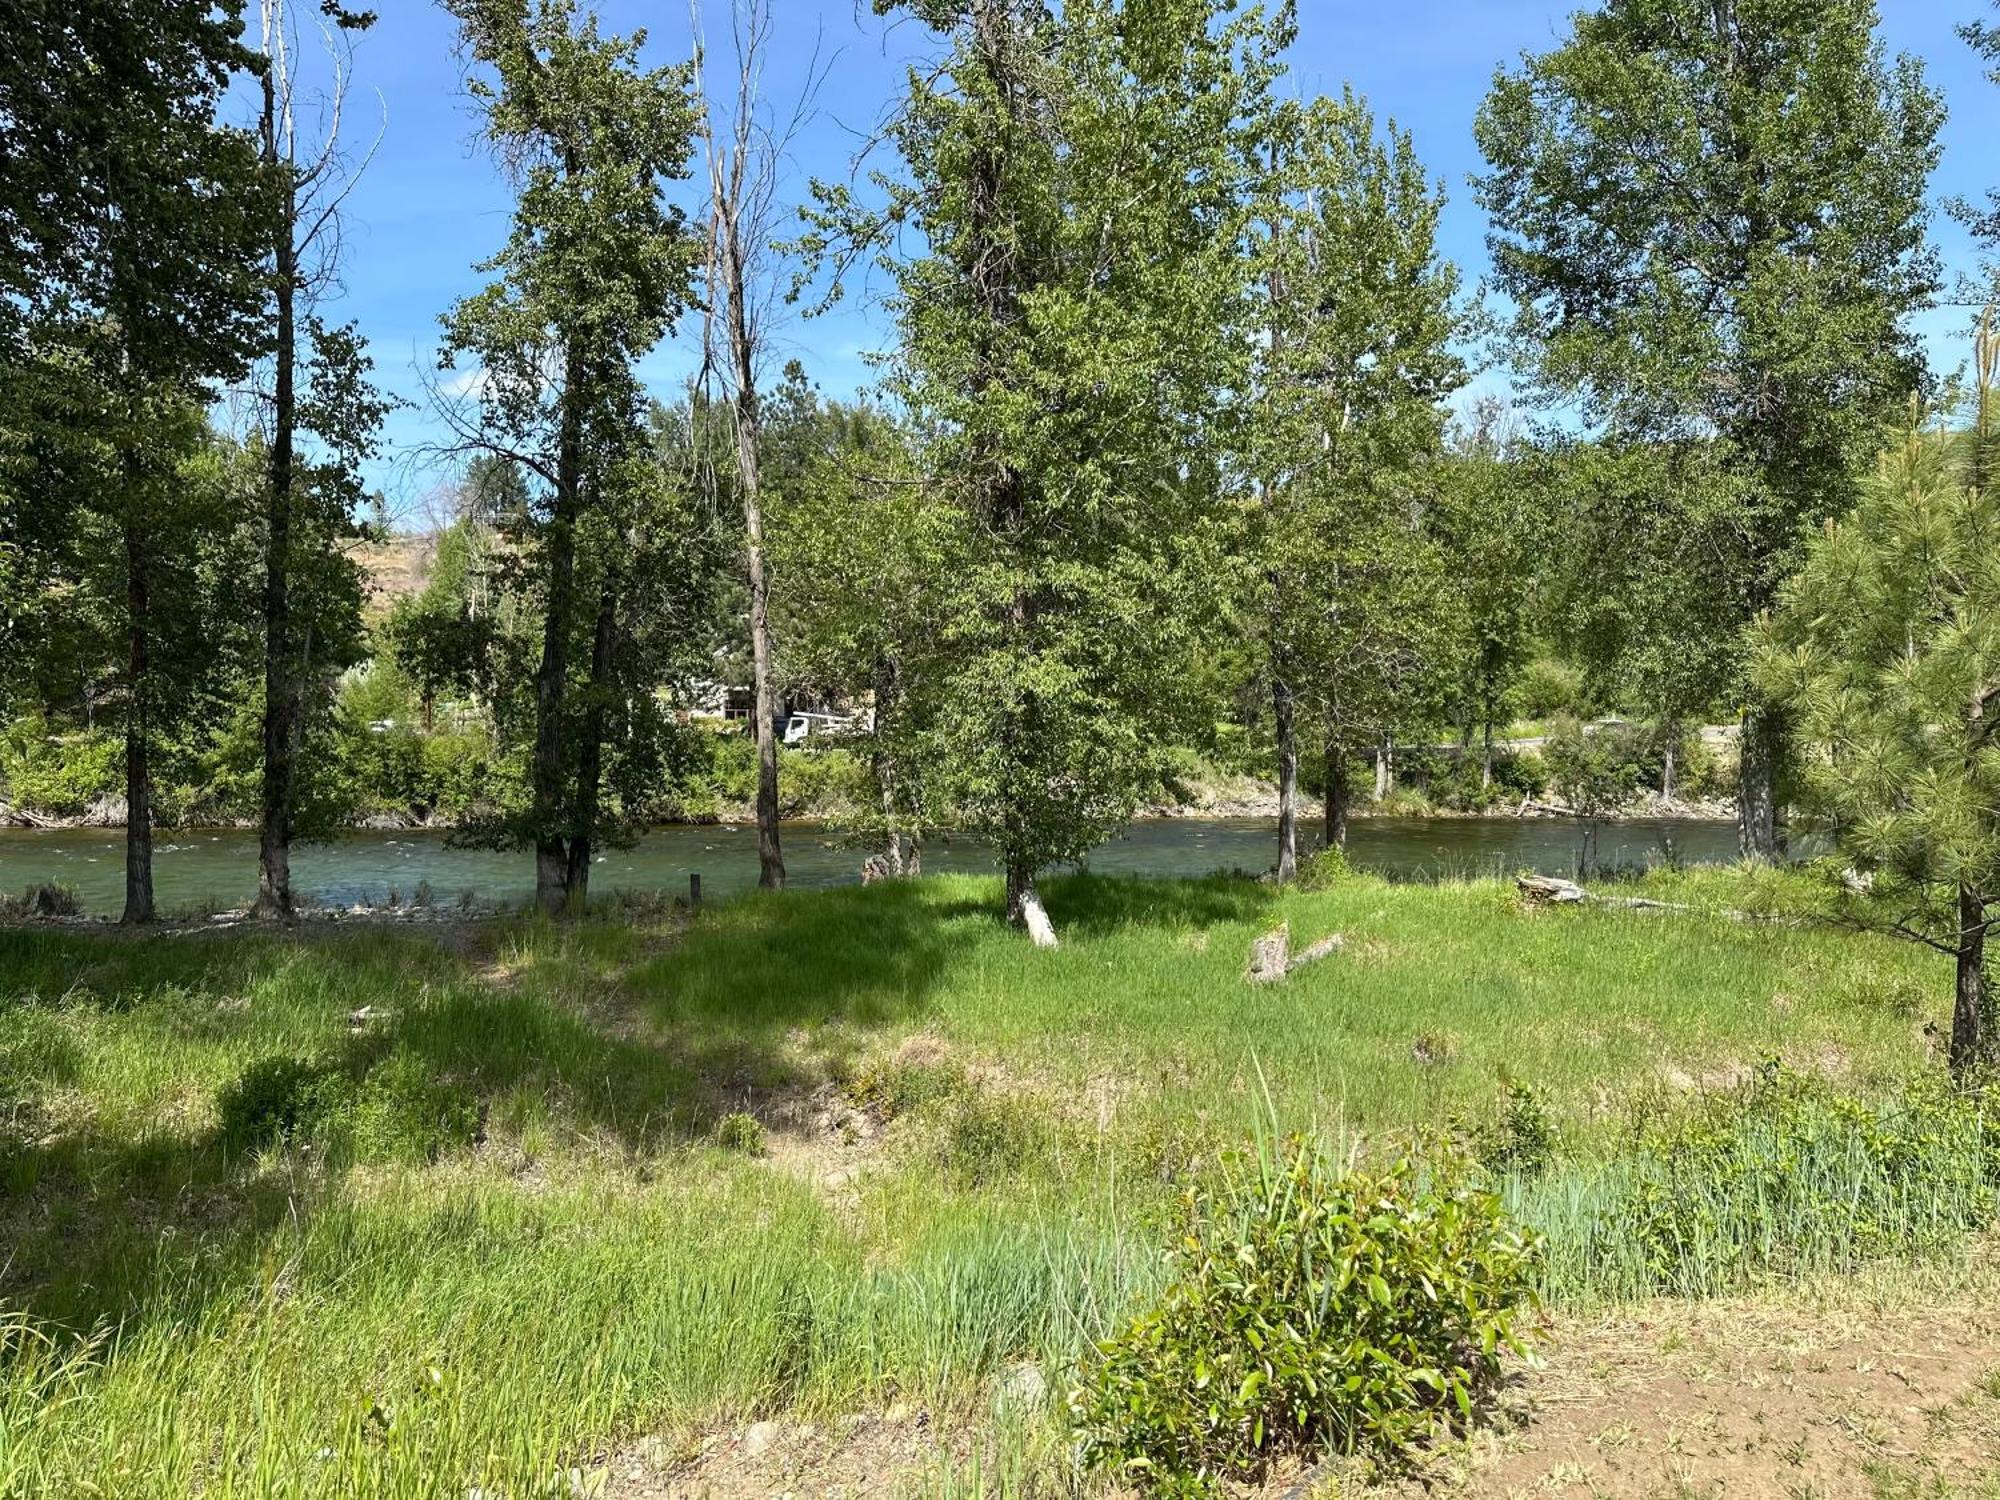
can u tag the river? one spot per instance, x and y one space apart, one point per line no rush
218 867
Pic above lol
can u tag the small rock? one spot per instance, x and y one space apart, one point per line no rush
760 1438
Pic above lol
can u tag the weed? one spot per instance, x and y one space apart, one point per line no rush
740 1132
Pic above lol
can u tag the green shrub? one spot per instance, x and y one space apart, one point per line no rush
1524 1139
61 775
1324 869
1311 1308
395 1111
740 1132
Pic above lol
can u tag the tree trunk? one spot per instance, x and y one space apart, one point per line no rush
1385 769
1024 904
138 728
1757 785
749 425
274 834
1338 795
1486 755
884 763
1283 712
590 759
1667 764
1970 1046
552 676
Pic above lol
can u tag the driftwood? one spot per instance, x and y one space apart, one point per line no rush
1547 890
1271 956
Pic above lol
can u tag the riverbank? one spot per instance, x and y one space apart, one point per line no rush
854 1177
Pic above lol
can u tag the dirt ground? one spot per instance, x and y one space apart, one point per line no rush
1754 1400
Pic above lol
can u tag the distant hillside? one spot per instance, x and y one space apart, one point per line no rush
395 567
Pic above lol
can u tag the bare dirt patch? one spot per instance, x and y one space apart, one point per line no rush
1745 1400
844 1459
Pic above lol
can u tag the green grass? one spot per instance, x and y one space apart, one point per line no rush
183 1316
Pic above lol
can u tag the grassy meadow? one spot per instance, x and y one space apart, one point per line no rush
420 1211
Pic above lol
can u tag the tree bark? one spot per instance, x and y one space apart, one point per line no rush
1757 785
1970 1046
552 676
1385 769
274 834
590 760
1667 764
727 227
1486 755
1024 904
884 763
1284 713
138 727
1338 796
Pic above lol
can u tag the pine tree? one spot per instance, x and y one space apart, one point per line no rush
1886 650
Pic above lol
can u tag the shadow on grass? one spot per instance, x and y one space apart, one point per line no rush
628 1035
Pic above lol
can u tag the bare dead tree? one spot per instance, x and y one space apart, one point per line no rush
744 156
305 260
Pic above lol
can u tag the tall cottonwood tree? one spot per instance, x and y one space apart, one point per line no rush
1355 367
132 225
1073 183
597 268
1711 215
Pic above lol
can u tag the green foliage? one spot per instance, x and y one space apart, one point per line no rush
61 775
1523 1140
737 1131
1887 654
1324 869
1311 1307
1549 687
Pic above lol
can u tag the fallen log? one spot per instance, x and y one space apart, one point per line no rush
1549 890
1272 959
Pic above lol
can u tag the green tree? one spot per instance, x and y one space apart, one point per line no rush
1073 182
596 269
1711 216
138 222
1354 369
1595 769
1886 649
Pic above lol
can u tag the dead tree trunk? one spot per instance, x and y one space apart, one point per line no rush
884 762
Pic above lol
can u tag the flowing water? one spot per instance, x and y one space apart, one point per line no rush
218 867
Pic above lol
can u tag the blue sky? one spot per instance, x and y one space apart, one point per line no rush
431 204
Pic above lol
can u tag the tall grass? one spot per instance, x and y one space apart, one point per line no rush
182 1314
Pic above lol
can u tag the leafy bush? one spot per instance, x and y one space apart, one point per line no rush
273 1100
1323 869
1548 687
1524 1140
1310 1308
61 775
